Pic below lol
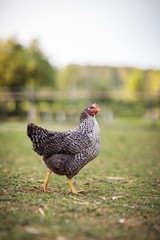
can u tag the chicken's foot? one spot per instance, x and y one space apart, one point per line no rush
46 181
72 188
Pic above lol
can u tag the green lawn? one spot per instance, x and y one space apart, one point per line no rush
121 198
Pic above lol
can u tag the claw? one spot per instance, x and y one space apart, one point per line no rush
72 190
77 192
45 188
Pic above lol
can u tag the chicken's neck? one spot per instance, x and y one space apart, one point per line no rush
87 125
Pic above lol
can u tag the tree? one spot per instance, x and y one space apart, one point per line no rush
24 66
135 81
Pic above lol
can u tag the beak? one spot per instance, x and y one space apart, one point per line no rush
97 108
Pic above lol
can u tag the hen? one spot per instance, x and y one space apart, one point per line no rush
65 153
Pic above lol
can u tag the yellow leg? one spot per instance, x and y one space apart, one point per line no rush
72 188
46 181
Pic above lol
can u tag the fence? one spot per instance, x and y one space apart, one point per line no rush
66 105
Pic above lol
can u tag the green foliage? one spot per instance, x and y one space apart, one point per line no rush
131 80
24 66
153 81
126 91
135 81
86 77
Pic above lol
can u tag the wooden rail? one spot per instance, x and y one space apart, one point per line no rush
78 94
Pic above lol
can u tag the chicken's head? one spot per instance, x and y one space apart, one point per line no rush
90 110
93 109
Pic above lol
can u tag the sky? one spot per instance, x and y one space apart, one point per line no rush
92 32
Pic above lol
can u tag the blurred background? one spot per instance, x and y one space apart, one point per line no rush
58 56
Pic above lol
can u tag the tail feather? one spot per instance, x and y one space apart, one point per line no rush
30 128
38 137
46 143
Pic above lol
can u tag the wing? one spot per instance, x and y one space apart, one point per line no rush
47 143
76 142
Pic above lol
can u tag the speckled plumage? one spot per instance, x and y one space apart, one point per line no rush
65 153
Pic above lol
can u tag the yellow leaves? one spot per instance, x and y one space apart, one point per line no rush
154 81
44 106
11 106
25 105
135 81
30 66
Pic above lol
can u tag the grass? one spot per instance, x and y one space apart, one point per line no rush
121 198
